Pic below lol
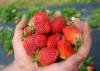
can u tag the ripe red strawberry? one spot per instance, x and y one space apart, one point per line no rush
91 68
72 34
42 22
53 39
34 42
28 31
65 49
29 46
39 41
57 24
48 55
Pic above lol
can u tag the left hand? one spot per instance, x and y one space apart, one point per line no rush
21 58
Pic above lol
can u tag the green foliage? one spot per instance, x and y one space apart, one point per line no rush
18 16
13 13
30 3
0 11
10 14
83 68
6 35
94 20
32 11
88 62
70 12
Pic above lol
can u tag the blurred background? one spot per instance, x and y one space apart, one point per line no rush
11 11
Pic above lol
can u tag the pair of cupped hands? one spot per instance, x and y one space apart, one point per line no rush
73 63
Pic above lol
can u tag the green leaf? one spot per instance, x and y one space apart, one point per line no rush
83 68
89 61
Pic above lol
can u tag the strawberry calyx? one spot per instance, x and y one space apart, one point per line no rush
32 27
70 23
29 30
25 35
36 57
79 41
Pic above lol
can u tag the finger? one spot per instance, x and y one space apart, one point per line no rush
58 13
22 23
77 23
19 50
73 63
19 29
35 65
84 50
86 33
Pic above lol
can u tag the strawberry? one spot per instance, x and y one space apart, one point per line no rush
29 46
48 55
72 34
34 42
28 31
42 22
39 41
53 39
57 24
65 49
91 68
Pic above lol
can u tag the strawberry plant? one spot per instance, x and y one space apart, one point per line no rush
70 12
10 14
0 11
5 39
94 20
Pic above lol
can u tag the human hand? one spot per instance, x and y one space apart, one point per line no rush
71 64
21 58
74 62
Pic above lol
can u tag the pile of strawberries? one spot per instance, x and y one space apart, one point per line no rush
49 41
